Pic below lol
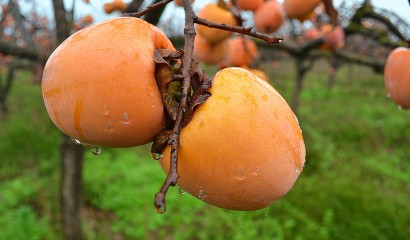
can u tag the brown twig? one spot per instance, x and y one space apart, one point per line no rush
148 9
238 29
173 175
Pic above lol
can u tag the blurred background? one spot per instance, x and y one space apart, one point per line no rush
355 184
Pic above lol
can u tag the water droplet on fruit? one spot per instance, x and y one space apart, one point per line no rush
106 110
241 174
399 107
181 191
298 169
388 95
153 105
110 126
76 141
256 171
156 156
202 194
125 118
96 150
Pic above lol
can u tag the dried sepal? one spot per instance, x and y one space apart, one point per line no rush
164 76
160 143
199 97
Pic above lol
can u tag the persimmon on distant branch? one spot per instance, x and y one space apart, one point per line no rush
238 29
243 30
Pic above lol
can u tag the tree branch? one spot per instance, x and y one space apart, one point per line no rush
148 9
173 175
238 29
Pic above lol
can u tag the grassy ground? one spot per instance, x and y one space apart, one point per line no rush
356 183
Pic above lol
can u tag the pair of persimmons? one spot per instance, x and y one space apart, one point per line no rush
243 148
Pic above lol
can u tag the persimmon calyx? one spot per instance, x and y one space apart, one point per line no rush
199 97
170 89
160 143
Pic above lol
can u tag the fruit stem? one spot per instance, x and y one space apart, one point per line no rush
173 175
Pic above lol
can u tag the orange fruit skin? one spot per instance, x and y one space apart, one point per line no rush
269 16
299 9
119 5
212 12
238 55
249 5
243 148
335 39
99 86
210 54
397 76
312 34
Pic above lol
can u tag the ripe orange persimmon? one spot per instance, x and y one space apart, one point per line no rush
119 5
259 73
99 85
108 8
269 16
87 19
214 13
312 34
334 37
243 148
397 76
299 8
179 2
210 54
250 5
242 52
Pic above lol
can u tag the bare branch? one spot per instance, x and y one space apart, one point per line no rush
243 30
173 175
148 9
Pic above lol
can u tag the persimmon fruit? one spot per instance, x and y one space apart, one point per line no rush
99 85
215 13
210 53
334 37
249 5
299 9
243 149
269 16
397 76
242 52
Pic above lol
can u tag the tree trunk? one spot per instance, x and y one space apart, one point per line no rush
5 90
71 188
71 155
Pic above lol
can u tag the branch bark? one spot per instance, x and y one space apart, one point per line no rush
173 175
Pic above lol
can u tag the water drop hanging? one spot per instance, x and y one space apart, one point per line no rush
96 150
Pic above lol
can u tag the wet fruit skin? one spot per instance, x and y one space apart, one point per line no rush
99 86
397 76
243 148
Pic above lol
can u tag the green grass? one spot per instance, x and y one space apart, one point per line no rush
355 185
